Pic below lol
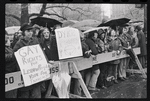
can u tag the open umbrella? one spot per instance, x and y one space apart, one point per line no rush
88 22
12 29
115 22
45 22
67 23
85 28
92 29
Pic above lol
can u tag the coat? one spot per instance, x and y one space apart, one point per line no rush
10 61
21 43
85 48
115 45
142 42
92 46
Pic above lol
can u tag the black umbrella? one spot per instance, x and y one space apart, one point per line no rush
45 22
115 22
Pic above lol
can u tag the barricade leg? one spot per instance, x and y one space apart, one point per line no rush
81 81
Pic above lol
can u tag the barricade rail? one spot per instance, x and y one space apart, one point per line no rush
14 80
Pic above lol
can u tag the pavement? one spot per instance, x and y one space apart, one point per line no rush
134 87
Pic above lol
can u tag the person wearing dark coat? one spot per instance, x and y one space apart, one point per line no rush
32 91
10 65
114 45
15 39
142 45
92 73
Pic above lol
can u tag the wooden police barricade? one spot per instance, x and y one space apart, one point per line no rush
80 62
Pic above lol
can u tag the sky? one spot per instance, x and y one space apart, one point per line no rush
107 9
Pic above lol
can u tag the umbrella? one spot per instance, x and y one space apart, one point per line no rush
84 28
12 29
45 22
68 23
92 29
88 22
115 22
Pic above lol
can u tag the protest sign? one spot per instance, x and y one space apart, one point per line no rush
13 81
68 42
33 64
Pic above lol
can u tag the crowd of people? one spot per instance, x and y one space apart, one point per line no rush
95 42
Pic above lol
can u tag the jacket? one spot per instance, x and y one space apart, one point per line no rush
85 48
10 61
92 46
21 43
142 42
115 45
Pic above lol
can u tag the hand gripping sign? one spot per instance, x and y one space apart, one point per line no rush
68 42
33 64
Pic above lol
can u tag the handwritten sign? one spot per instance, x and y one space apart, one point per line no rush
33 65
68 42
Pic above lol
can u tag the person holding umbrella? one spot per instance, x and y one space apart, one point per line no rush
32 91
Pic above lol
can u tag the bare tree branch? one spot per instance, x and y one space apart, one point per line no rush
68 8
43 8
14 16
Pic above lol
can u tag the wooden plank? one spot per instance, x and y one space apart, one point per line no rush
82 82
49 91
135 71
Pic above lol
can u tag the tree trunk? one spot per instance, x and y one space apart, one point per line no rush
24 13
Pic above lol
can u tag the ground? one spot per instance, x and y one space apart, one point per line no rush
134 87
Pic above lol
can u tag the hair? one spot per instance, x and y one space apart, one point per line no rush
120 30
91 34
113 27
40 34
138 28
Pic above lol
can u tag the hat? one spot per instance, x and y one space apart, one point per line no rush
26 26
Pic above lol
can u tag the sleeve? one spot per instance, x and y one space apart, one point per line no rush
92 47
17 46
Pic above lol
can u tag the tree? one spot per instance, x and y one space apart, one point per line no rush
56 11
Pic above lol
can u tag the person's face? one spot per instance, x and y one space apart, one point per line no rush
102 36
46 33
113 35
124 30
132 29
95 35
37 31
28 33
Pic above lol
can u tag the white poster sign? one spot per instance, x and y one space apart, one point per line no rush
13 81
68 42
33 64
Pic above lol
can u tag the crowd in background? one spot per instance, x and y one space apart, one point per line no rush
100 76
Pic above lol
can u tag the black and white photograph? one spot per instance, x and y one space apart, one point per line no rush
75 50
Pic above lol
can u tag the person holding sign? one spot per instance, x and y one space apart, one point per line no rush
10 66
27 40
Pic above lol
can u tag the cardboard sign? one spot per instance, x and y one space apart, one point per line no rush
33 64
68 42
13 81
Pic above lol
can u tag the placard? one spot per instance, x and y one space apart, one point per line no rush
33 64
13 81
68 42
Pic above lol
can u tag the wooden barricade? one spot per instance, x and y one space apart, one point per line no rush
79 63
